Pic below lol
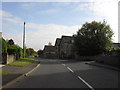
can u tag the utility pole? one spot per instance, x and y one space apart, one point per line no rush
24 41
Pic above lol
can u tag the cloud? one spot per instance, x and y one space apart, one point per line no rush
101 9
108 10
49 11
4 14
10 18
83 7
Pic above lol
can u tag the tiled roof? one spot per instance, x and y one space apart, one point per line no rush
49 48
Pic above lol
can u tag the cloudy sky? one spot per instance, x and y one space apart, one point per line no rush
46 21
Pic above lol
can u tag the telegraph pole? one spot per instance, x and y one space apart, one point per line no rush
24 41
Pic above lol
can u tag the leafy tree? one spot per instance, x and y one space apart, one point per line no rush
10 42
30 52
13 48
40 52
4 45
93 38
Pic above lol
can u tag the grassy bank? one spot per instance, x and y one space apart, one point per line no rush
22 62
5 72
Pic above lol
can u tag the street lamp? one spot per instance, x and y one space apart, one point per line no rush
24 41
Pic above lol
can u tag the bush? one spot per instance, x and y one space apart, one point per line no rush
4 45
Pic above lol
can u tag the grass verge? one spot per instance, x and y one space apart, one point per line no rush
5 72
22 62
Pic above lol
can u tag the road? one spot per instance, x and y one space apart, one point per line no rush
68 74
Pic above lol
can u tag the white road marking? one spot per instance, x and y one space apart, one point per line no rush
81 79
63 64
86 83
70 69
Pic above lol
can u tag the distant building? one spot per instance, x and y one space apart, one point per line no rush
49 51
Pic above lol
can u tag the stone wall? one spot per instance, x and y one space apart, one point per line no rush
110 60
10 58
84 58
6 59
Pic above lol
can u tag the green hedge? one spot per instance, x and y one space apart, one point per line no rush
14 49
4 45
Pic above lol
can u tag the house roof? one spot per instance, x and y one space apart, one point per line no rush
66 39
66 36
49 48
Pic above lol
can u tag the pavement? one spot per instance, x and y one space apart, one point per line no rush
94 63
16 72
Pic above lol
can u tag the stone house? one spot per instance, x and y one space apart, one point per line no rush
57 45
66 50
49 52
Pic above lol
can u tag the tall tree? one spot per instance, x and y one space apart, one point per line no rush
30 52
40 52
10 42
93 38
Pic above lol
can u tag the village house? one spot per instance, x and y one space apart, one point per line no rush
57 45
66 50
49 52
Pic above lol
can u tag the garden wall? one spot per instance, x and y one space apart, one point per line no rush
109 60
6 59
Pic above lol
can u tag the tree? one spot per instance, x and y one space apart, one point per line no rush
13 48
93 38
40 52
10 42
4 45
30 52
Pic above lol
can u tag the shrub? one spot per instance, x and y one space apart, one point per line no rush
4 45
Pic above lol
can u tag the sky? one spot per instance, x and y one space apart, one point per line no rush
46 21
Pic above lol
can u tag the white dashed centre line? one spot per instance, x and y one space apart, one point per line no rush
70 69
86 83
63 64
81 78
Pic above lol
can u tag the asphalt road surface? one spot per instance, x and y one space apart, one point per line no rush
68 74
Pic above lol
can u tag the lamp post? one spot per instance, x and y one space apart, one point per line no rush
24 41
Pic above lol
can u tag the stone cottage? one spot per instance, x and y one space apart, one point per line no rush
49 52
57 45
66 50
